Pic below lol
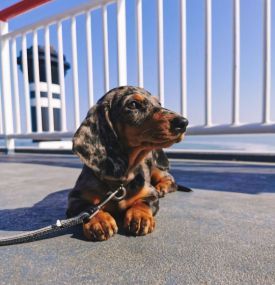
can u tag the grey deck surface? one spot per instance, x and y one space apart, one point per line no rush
222 233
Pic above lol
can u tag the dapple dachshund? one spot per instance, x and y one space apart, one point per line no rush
120 142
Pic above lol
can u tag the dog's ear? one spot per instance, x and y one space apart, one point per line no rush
160 159
96 143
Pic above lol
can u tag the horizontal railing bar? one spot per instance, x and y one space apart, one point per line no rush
81 9
20 8
253 128
38 136
228 129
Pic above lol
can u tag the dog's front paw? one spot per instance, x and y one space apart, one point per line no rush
139 220
100 227
166 187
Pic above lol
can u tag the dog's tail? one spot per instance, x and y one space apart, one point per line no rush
184 189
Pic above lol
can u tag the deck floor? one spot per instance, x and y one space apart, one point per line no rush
222 233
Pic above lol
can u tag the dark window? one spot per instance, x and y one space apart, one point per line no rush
45 119
45 95
57 119
42 94
33 116
56 96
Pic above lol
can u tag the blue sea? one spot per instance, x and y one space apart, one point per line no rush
262 143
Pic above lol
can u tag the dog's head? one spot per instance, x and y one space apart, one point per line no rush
124 119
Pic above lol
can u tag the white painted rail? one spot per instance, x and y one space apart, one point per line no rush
61 77
15 88
183 64
267 61
16 118
26 83
49 77
208 63
36 82
160 51
89 59
139 42
236 64
105 47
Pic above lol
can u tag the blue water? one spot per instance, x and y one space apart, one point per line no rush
249 143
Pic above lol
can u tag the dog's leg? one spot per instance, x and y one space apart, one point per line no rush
163 181
101 227
139 219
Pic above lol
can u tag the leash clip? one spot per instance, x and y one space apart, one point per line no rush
120 194
117 195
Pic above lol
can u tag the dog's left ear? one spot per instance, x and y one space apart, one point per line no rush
160 159
96 143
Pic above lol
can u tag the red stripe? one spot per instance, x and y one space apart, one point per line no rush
20 8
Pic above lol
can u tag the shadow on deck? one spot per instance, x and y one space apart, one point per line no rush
218 234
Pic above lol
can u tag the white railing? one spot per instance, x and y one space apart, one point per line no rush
11 114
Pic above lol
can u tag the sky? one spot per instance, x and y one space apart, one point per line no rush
251 54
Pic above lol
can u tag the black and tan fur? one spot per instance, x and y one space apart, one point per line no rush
121 141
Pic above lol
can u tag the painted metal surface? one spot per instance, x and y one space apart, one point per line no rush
12 117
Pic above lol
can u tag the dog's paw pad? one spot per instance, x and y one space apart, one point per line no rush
101 227
139 222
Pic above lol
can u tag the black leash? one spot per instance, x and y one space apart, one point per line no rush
83 217
60 225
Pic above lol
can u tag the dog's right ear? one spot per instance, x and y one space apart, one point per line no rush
86 141
96 144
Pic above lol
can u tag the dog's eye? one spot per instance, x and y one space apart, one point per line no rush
134 105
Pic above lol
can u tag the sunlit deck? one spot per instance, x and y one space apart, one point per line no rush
222 233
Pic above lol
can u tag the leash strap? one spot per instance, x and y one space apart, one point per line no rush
83 217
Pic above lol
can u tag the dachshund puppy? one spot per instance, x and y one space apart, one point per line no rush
120 142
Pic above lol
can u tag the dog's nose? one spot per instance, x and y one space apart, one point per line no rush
179 124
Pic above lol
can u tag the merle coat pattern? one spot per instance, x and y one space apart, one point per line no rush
120 142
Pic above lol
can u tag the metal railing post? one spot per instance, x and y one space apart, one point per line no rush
160 51
139 42
75 73
183 60
89 59
236 64
208 62
105 47
6 87
266 61
121 43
